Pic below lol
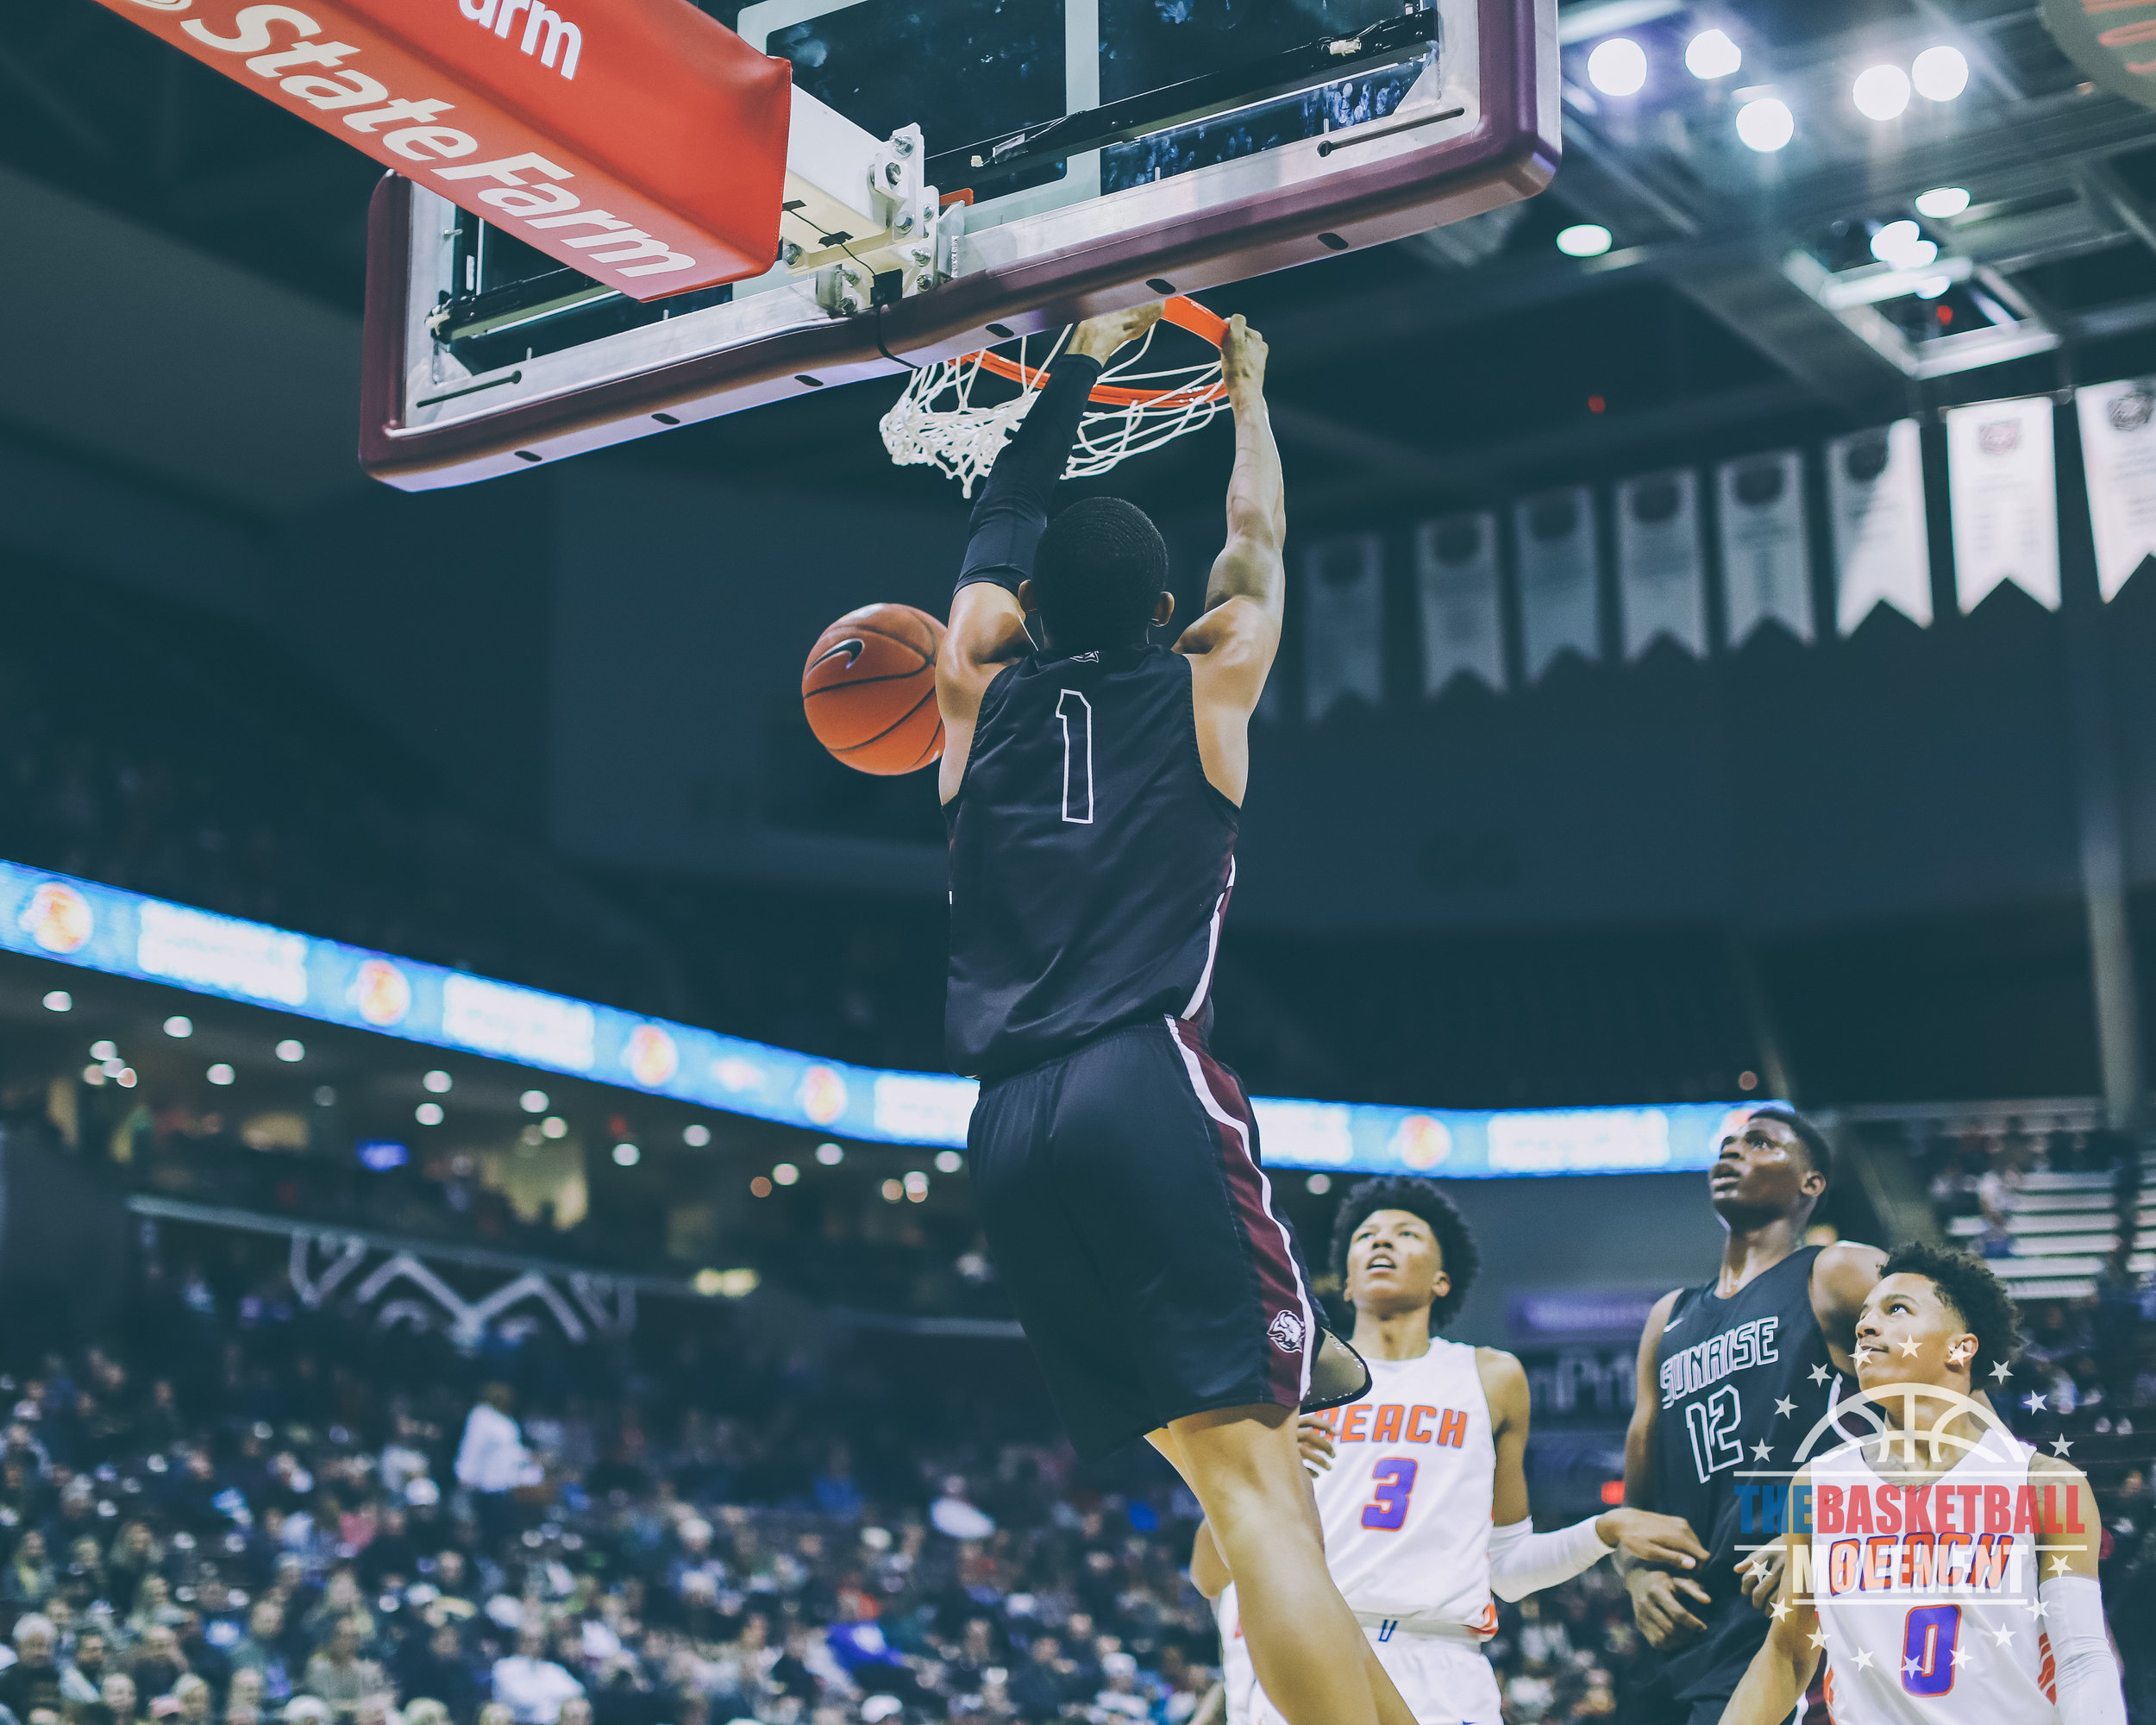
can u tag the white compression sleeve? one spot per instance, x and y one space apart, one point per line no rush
2089 1690
1522 1561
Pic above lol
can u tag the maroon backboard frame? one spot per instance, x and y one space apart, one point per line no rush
1511 154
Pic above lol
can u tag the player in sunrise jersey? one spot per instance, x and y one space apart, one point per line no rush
1420 1484
1947 1574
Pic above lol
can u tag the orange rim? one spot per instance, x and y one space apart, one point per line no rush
1184 313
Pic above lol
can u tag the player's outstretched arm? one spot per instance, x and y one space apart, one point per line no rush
987 629
1522 1561
2068 1542
1781 1671
1661 1602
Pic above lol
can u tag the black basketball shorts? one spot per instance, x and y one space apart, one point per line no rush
1125 1209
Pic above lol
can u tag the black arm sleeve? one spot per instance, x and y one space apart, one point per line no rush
1012 513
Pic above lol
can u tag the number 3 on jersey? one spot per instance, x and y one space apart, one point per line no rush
1075 712
1394 1478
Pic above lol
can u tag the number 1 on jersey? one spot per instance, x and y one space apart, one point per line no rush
1076 714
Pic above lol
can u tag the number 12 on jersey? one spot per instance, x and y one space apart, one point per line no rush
1075 712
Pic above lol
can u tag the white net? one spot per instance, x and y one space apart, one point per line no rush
938 422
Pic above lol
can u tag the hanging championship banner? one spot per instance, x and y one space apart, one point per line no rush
1455 583
2005 507
1342 622
1875 494
1658 564
2118 450
1765 565
1556 577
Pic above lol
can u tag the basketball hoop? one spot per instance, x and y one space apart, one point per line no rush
938 422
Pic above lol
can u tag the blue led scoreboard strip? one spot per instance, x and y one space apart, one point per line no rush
127 934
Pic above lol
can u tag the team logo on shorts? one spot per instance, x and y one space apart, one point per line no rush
1285 1330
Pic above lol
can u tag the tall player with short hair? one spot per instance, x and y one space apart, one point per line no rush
1092 784
1733 1374
1422 1484
1947 1574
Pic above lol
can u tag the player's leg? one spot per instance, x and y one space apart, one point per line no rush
1311 1656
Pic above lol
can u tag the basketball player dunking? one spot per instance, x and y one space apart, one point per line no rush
1947 1574
1091 784
1422 1484
1733 1374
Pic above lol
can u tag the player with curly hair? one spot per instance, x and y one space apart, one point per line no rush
1421 1483
1945 1571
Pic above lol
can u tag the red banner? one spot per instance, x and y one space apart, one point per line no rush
636 140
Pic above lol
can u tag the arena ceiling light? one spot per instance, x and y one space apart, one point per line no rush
554 1127
785 1174
104 1049
1765 124
949 1161
60 1000
829 1155
696 1135
220 1074
1903 245
179 1026
1618 67
438 1082
1881 92
428 1113
1712 55
1584 240
627 1155
292 1051
533 1101
1942 203
1939 74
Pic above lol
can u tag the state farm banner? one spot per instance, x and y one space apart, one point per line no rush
1342 622
1556 577
1455 582
1875 495
2118 450
1659 576
1766 566
638 141
2005 509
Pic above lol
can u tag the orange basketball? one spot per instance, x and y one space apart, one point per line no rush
869 688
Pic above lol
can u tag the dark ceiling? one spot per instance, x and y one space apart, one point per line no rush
1738 305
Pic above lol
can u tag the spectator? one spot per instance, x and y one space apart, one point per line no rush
34 1680
82 1678
338 1676
261 1651
195 1701
119 1700
157 1665
531 1685
27 1578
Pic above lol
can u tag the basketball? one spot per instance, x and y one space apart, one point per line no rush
869 688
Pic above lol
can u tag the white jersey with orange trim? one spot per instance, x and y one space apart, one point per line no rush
1406 1503
1927 1593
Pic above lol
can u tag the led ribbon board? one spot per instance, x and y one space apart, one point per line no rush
126 934
637 142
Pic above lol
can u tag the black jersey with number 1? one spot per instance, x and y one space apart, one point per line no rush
1090 859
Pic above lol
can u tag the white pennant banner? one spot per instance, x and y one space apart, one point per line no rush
1659 568
1764 562
2005 500
2118 449
1875 493
1456 581
1344 581
1556 577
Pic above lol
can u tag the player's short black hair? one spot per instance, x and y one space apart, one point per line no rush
1456 1245
1978 1297
1813 1140
1101 567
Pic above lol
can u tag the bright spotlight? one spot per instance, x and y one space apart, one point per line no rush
178 1026
627 1155
437 1082
1712 55
104 1049
428 1113
60 1000
916 1186
220 1074
533 1101
1881 92
1766 125
290 1051
1584 240
554 1127
785 1174
1618 67
1939 74
1942 203
1903 245
1933 286
949 1161
1318 1184
696 1135
829 1155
